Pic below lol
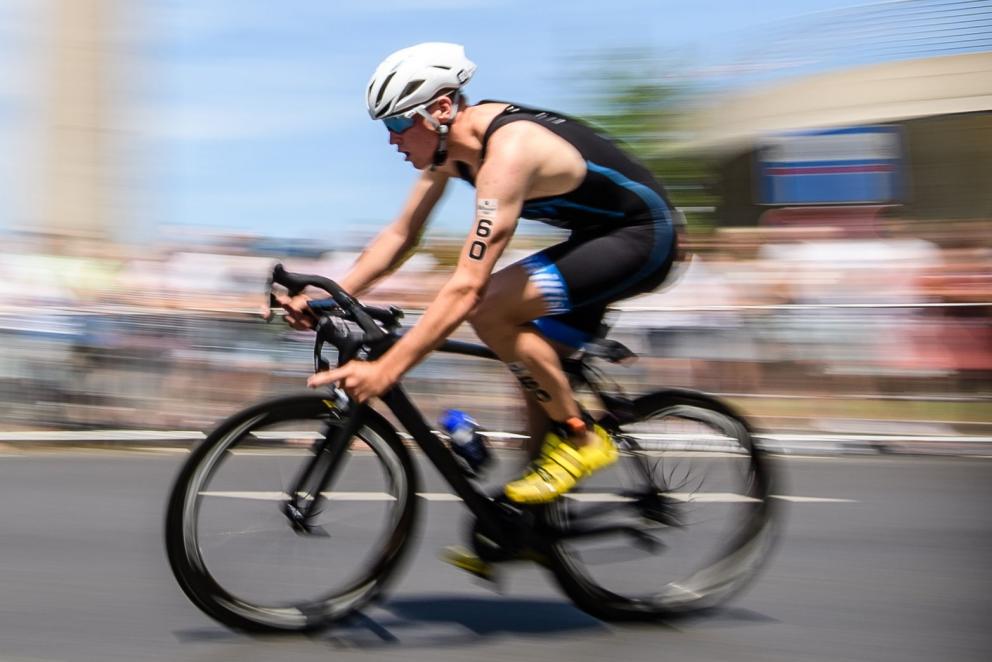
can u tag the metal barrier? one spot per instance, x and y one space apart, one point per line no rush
142 369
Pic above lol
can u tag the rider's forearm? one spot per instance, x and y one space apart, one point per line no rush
395 244
451 307
386 252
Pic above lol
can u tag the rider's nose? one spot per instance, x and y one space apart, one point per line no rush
394 138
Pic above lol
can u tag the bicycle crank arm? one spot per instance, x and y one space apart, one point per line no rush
640 536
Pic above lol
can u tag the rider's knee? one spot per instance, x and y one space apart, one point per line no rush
487 320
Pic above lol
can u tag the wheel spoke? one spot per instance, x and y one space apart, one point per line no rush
237 554
702 530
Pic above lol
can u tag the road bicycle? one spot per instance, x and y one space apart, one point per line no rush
299 511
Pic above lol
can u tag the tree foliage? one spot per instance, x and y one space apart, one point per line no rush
633 96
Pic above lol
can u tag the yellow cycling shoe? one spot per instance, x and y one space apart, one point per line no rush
560 467
465 559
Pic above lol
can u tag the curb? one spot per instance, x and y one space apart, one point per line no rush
783 443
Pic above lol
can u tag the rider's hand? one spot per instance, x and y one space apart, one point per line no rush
297 309
362 380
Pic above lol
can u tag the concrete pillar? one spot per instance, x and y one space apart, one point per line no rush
78 175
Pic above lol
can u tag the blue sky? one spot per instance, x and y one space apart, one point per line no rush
248 114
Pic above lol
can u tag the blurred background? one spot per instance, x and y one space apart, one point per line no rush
832 159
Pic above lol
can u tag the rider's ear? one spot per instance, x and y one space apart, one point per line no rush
445 109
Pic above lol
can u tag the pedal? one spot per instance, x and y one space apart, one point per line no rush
661 510
646 541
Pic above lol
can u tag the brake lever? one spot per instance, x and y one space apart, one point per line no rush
274 307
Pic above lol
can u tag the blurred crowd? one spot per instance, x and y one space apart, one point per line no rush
112 336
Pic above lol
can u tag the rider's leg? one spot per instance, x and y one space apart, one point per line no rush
501 321
561 293
537 425
573 449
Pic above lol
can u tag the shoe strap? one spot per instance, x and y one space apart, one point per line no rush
566 457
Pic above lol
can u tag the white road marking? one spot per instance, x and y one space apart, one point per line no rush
255 496
597 498
282 452
836 437
163 449
802 499
800 444
359 496
711 497
286 434
279 496
701 497
584 497
102 435
697 453
438 496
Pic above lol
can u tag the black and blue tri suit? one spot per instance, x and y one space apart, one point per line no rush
622 241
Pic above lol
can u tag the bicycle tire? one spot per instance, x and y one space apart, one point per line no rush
185 549
724 574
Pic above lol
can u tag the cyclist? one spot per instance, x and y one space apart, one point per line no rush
523 162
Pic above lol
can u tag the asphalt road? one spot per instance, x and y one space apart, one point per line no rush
896 570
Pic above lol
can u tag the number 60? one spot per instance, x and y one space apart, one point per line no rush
478 248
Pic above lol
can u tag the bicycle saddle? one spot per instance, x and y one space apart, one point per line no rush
609 350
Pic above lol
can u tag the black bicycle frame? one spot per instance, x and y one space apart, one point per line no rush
490 516
493 516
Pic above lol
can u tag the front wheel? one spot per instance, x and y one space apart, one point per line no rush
684 517
234 544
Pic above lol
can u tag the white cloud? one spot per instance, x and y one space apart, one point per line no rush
256 77
21 73
242 97
225 98
21 16
21 37
200 19
384 6
277 196
234 122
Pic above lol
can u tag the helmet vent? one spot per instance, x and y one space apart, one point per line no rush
382 88
410 88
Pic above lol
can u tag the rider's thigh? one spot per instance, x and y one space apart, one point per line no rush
511 298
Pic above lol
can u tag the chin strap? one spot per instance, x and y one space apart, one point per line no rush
441 153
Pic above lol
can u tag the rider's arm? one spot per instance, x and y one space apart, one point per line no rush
386 252
501 188
396 242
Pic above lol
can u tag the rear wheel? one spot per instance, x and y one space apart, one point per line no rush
684 515
233 545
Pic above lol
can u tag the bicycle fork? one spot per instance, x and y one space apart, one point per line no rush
307 492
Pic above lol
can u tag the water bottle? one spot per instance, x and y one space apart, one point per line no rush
466 441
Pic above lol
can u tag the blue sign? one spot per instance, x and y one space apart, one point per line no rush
837 166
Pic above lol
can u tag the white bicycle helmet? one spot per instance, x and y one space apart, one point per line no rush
413 77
